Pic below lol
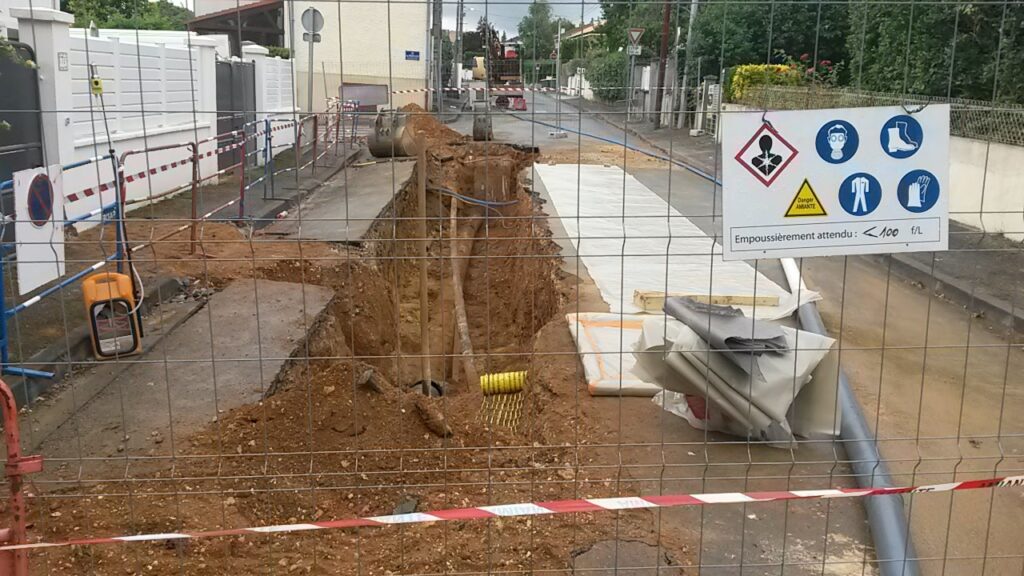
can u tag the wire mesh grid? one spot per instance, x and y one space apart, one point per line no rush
451 321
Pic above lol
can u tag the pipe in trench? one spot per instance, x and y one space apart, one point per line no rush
894 548
460 249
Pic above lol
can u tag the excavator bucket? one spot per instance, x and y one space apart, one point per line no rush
390 137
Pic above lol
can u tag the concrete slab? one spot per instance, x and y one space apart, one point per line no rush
343 209
223 356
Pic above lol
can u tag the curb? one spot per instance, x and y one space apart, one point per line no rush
995 309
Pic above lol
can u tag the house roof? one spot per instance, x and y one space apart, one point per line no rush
254 7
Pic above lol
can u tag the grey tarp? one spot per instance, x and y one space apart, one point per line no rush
750 373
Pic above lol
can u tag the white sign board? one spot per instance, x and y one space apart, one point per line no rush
833 182
39 228
634 50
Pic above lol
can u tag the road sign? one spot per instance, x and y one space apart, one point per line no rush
820 182
634 35
312 20
633 50
39 227
307 37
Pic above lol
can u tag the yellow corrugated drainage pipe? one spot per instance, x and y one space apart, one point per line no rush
502 382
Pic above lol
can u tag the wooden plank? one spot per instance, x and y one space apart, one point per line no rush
654 301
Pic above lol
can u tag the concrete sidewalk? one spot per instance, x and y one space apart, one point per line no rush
982 272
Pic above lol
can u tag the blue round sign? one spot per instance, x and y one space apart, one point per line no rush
901 136
837 141
40 200
918 191
860 194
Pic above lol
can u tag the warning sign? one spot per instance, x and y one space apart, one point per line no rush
805 203
766 154
834 182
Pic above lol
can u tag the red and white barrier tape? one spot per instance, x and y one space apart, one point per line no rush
544 508
492 89
76 196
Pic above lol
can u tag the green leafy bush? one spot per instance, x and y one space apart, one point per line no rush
607 75
279 52
747 75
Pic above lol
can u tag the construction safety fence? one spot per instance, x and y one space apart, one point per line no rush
519 347
990 121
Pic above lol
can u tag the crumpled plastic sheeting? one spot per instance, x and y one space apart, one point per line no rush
750 404
630 239
605 344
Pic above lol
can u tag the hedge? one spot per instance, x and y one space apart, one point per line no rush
747 75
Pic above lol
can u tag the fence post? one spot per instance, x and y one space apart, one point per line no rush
47 32
241 178
15 562
316 136
195 199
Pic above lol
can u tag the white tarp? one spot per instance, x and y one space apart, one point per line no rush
630 239
39 227
605 342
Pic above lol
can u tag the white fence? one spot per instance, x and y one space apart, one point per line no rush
155 95
274 81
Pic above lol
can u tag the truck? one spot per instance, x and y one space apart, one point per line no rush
504 77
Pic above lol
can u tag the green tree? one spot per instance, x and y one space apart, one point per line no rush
128 14
608 76
749 32
897 49
620 16
475 42
537 31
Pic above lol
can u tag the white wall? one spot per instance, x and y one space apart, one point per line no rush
369 47
153 95
986 183
169 37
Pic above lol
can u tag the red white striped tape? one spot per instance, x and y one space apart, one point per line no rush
546 508
492 89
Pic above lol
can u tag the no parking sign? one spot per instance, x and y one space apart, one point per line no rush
832 182
39 228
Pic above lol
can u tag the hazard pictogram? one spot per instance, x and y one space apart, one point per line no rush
805 203
766 154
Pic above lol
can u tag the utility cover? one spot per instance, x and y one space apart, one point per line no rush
834 182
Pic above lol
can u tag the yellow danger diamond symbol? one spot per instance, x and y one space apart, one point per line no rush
805 203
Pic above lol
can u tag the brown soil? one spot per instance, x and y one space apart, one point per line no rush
607 155
341 434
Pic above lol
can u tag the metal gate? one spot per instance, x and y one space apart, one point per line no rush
20 129
236 102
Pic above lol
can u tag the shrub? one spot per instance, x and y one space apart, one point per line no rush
279 52
747 75
607 75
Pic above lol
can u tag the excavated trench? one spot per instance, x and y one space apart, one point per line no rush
342 432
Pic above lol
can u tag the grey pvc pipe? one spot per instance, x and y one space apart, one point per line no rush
890 534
